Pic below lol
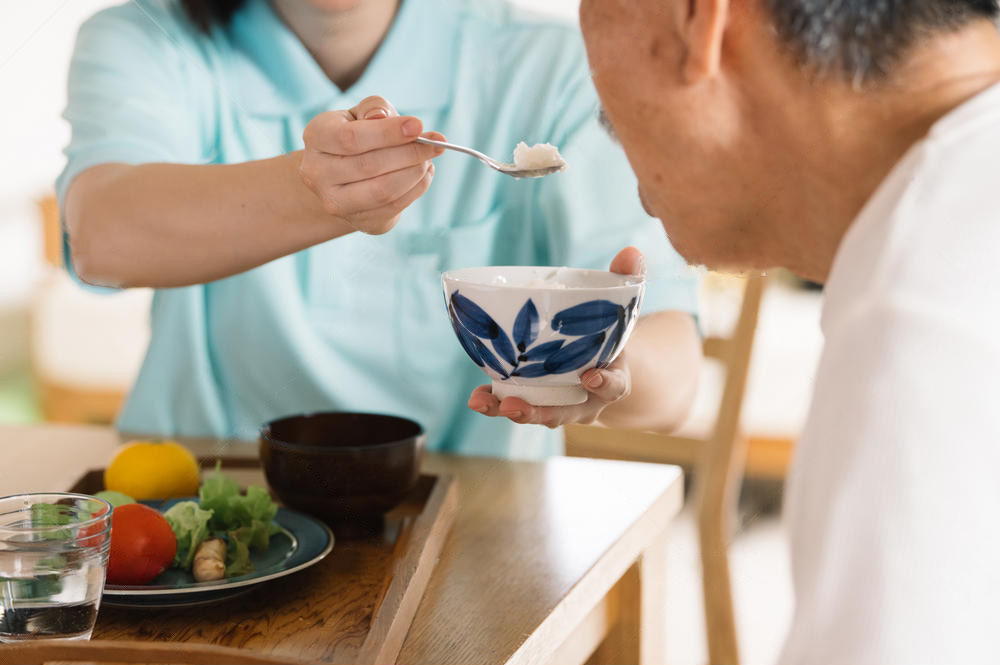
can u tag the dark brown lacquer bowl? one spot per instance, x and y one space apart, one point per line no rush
347 469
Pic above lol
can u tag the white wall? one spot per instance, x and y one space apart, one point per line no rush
36 39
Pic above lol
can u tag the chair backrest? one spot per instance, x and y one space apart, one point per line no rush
733 352
52 238
103 652
720 463
717 460
717 478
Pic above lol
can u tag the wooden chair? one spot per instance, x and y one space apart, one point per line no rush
717 461
52 238
56 652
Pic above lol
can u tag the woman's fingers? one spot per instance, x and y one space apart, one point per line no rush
340 133
364 165
373 108
354 168
377 221
373 198
354 197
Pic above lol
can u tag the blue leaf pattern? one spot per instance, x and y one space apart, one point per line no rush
588 318
504 348
489 358
598 325
474 317
526 326
542 351
575 354
465 339
613 341
531 371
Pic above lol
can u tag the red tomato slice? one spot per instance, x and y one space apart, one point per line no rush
142 544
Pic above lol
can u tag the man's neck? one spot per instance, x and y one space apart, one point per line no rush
343 42
846 142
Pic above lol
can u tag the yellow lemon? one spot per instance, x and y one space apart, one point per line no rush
148 470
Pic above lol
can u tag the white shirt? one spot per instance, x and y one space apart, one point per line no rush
893 504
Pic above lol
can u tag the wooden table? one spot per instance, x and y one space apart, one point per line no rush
548 562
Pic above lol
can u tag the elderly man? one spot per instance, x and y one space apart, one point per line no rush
858 144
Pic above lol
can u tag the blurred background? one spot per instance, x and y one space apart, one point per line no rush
70 356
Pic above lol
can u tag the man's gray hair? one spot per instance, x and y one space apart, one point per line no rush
864 39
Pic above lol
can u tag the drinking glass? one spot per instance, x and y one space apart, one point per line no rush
53 559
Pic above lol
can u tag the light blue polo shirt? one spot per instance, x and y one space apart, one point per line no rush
358 323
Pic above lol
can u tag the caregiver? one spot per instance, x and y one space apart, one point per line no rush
295 247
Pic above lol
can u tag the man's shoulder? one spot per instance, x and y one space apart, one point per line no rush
946 240
934 239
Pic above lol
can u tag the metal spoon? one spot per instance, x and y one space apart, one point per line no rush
508 169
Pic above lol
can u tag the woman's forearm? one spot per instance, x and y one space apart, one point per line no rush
664 358
166 225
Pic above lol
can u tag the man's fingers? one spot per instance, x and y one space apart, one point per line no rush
552 416
557 416
605 386
523 413
608 385
517 410
483 401
629 261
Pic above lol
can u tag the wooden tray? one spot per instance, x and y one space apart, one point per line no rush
355 606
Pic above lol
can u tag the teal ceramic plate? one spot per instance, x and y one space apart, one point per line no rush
302 542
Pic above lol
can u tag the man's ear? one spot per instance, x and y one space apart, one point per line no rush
702 33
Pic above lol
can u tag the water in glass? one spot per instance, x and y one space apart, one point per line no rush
53 559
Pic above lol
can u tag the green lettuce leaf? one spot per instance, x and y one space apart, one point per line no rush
247 520
49 514
52 514
115 498
45 515
259 505
221 495
238 552
190 524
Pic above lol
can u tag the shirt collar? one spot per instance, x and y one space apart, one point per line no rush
413 68
983 107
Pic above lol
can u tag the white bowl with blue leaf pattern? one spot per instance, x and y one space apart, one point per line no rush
535 330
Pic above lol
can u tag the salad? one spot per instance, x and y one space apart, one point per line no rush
210 537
